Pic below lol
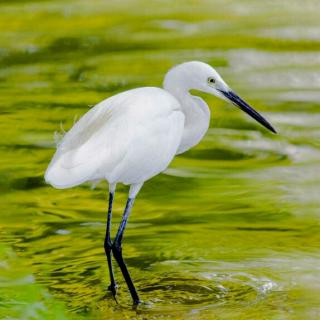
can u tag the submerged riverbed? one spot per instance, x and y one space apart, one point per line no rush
231 229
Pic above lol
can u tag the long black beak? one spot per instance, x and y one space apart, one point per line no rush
238 102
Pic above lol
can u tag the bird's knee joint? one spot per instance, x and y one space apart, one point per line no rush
116 247
107 246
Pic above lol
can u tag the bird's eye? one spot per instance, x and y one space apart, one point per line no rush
211 80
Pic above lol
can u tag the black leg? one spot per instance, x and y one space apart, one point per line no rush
117 252
108 247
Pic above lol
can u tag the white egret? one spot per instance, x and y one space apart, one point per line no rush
134 135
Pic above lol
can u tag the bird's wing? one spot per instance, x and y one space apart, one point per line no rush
100 139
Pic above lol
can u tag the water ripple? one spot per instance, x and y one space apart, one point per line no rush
203 289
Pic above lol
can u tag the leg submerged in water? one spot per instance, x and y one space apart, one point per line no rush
117 248
108 244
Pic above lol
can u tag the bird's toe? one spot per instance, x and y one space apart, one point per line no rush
113 289
137 302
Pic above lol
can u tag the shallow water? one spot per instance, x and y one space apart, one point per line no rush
231 229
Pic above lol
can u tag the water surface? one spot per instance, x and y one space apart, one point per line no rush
231 229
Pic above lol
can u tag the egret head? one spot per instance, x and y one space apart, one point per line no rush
201 76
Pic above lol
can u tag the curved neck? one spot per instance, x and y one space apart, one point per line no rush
187 100
197 115
175 90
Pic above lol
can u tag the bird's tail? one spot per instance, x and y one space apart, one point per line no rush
61 176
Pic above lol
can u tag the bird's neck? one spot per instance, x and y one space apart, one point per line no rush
197 117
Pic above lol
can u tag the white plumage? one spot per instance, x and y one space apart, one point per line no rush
132 136
126 138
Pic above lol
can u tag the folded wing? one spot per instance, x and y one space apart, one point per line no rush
100 140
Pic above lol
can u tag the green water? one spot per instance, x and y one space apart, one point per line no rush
231 229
